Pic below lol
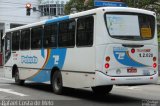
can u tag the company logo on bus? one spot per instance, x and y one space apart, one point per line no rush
143 50
120 49
29 59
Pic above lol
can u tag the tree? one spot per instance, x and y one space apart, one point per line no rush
153 5
78 5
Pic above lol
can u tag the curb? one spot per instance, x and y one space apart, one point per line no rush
158 83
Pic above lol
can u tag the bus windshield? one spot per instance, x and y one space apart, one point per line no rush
130 26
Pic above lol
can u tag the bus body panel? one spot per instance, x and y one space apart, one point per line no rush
124 66
102 79
131 57
8 72
36 65
78 80
79 69
134 70
85 66
77 60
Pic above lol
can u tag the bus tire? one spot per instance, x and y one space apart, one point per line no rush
17 80
102 90
57 85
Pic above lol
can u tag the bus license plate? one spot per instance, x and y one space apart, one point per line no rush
146 72
131 70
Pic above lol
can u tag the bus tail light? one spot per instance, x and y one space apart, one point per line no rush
132 50
151 78
107 58
107 65
113 79
154 65
154 58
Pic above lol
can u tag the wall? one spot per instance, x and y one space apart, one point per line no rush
14 11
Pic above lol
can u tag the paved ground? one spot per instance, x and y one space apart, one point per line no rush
1 72
120 95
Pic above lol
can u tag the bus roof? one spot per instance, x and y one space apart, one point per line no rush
83 13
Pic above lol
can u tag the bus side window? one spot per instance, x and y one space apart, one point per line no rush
50 36
36 37
66 35
7 46
85 27
15 40
25 39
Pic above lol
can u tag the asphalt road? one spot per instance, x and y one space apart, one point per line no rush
146 95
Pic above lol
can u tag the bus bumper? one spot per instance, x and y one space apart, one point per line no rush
103 79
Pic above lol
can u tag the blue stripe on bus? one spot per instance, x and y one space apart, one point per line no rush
127 60
44 75
57 19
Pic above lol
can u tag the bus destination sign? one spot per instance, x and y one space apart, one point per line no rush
109 3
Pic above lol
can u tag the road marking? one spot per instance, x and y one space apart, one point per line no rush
129 88
134 88
13 80
4 84
7 79
11 92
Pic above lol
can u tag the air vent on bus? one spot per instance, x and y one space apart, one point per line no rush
132 46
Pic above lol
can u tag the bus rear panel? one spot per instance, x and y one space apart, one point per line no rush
130 52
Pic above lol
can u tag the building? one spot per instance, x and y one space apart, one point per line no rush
13 14
51 8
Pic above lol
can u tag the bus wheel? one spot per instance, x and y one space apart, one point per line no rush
17 80
57 85
102 90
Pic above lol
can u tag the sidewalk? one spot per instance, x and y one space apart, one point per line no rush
1 71
158 81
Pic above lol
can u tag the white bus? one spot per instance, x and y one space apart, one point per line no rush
97 48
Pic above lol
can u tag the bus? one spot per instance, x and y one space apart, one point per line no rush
96 48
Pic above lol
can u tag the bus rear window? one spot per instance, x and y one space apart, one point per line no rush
130 26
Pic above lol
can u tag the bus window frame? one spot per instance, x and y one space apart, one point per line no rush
41 36
56 36
92 15
69 20
29 38
130 13
12 40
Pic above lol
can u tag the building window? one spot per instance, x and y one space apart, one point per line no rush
66 37
85 27
25 39
50 36
52 9
15 40
36 37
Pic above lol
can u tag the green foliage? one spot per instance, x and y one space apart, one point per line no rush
78 4
139 3
153 5
158 29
